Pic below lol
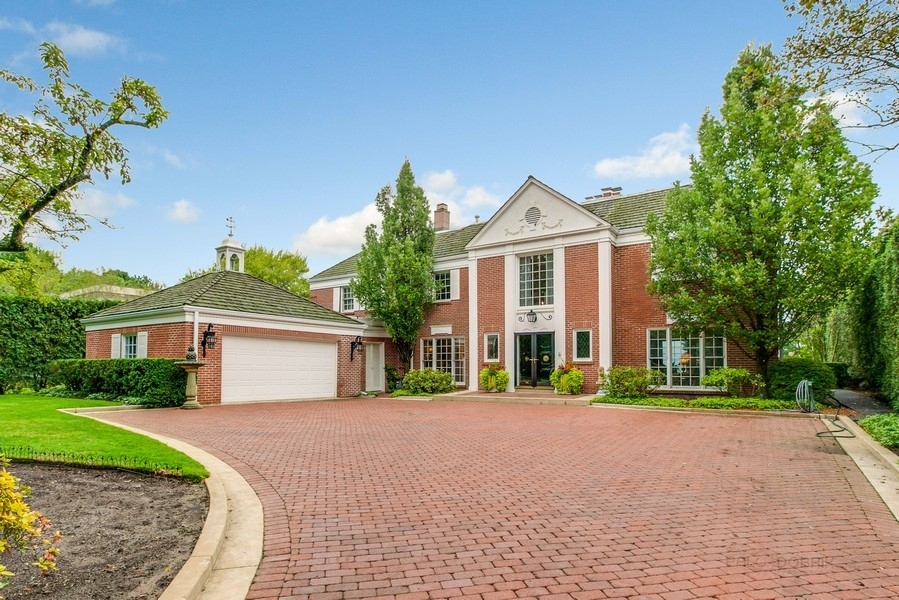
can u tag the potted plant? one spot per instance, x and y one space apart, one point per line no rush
567 379
494 378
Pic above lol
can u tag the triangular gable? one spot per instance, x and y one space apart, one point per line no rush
536 211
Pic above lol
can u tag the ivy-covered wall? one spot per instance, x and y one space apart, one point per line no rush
36 331
875 308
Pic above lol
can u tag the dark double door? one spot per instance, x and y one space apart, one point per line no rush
535 358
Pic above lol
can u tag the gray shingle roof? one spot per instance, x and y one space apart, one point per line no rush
230 290
446 244
626 212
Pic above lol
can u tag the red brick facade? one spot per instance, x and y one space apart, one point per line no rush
491 307
633 309
582 306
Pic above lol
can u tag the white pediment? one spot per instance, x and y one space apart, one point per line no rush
536 211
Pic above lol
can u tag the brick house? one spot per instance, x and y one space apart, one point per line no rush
269 343
544 281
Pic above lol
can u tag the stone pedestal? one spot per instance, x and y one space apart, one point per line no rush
191 366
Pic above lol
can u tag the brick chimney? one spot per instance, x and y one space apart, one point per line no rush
441 218
611 192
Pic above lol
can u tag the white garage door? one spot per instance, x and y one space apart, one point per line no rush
265 369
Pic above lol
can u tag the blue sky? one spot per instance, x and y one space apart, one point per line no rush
290 116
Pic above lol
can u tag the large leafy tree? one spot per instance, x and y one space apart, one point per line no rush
46 156
773 231
850 46
282 268
394 274
36 273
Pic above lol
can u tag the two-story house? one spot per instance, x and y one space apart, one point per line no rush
544 281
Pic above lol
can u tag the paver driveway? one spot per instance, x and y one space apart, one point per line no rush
383 498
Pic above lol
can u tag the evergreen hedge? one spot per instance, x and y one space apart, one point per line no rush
152 382
36 331
875 305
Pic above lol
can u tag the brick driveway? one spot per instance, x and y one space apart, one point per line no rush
406 499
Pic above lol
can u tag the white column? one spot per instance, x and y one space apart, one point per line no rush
474 341
510 299
605 304
559 316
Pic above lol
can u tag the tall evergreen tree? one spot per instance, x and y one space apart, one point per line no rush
394 278
774 229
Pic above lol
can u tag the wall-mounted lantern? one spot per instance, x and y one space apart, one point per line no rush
355 345
208 341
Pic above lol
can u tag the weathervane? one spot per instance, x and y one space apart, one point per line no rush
230 226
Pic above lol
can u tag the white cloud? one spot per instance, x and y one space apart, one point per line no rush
667 155
184 211
847 107
342 236
440 181
461 201
80 41
339 237
17 25
99 204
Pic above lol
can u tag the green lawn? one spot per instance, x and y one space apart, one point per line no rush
33 427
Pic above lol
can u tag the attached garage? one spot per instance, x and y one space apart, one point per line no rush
258 369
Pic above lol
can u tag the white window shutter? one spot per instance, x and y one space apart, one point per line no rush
116 345
454 284
142 344
338 299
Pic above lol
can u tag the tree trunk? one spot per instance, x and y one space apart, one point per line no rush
405 351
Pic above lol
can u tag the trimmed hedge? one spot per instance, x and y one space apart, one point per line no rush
841 372
36 331
630 382
786 374
152 382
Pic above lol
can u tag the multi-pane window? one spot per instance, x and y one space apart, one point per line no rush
445 354
535 280
583 344
129 345
491 347
684 359
347 302
442 286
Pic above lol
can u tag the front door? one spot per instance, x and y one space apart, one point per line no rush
374 367
535 358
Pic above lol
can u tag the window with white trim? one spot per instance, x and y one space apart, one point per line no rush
445 354
491 347
347 301
129 345
683 358
582 344
442 286
535 280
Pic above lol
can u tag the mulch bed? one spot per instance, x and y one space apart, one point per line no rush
125 534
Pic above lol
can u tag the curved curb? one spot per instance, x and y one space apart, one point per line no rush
724 412
878 464
228 552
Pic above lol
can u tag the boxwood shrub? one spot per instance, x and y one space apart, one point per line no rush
153 382
427 382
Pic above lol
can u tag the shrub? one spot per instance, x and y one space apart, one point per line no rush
733 381
786 374
883 428
392 377
428 382
20 526
499 375
841 372
572 376
152 382
630 382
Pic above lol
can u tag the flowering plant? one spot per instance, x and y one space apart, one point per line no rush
493 377
567 379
